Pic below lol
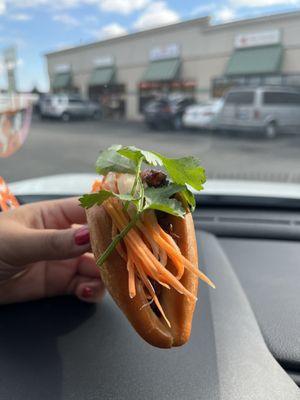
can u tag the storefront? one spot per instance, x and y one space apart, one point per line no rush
194 58
256 60
163 76
104 88
63 80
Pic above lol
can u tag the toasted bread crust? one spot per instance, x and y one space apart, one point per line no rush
178 308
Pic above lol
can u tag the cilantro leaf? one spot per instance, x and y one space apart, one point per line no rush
159 199
111 161
89 200
182 171
185 171
135 154
189 199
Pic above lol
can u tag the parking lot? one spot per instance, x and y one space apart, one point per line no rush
55 147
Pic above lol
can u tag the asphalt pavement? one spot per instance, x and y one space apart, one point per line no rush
54 147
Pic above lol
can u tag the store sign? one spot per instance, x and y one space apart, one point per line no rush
106 61
257 39
164 52
62 68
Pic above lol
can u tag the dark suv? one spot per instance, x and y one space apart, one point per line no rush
166 112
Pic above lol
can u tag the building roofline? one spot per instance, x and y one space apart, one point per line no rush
262 18
195 21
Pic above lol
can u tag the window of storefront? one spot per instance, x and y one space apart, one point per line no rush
222 84
272 80
105 89
111 98
292 80
162 76
152 90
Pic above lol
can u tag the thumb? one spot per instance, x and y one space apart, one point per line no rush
52 244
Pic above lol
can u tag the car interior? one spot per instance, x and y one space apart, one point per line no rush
171 129
245 337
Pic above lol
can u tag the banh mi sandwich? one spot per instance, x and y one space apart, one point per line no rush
143 238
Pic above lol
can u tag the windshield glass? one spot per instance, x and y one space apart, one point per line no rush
217 80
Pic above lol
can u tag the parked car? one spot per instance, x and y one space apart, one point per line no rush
202 115
67 107
166 112
267 109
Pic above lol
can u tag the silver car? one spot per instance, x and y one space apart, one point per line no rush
67 107
266 109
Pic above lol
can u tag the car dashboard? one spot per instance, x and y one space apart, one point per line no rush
245 337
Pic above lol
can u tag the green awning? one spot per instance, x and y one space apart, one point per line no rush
102 76
256 60
162 70
62 80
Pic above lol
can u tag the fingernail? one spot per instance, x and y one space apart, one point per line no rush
87 292
82 236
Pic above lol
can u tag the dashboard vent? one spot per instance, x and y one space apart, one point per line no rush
262 224
285 177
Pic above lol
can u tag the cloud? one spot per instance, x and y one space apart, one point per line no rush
91 19
262 3
47 3
204 9
109 31
156 14
117 6
225 14
20 17
122 6
66 19
2 7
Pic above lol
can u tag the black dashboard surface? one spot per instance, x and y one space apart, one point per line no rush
269 271
62 349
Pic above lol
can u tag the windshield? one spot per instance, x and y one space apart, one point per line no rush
217 80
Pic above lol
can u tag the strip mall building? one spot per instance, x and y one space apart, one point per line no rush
192 57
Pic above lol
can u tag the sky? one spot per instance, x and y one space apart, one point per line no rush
38 26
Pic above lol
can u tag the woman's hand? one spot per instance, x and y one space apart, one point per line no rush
44 252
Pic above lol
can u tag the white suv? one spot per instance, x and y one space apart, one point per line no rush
266 109
67 107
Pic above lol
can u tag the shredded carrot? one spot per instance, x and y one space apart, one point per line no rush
153 244
151 290
146 249
154 268
131 278
174 252
165 241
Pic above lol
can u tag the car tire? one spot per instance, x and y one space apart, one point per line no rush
177 123
65 117
271 130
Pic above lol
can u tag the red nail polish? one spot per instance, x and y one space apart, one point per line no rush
87 292
82 236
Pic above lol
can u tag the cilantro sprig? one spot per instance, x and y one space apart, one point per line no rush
184 174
